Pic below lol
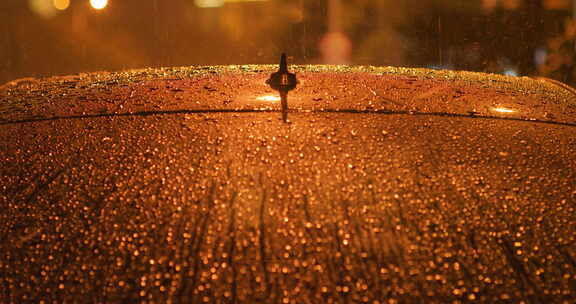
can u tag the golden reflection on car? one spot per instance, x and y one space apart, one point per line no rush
268 98
503 110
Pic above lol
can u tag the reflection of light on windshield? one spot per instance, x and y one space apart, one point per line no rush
503 110
61 4
268 98
98 4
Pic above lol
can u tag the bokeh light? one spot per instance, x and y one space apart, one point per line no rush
336 48
98 4
61 4
208 3
42 8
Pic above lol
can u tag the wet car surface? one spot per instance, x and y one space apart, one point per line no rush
387 185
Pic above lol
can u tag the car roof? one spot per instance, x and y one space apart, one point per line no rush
353 89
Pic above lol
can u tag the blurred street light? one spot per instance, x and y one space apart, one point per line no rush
42 8
61 4
208 3
98 4
335 46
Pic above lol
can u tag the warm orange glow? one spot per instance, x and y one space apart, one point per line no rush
268 98
336 48
42 8
557 4
98 4
503 110
61 4
208 3
232 1
219 3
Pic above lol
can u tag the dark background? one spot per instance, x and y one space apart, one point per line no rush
516 37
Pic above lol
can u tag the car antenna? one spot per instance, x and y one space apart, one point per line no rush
283 81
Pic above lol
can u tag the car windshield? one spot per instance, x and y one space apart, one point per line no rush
511 37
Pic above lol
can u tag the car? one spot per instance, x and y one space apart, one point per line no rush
380 185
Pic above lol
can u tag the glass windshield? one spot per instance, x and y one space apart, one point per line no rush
512 37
